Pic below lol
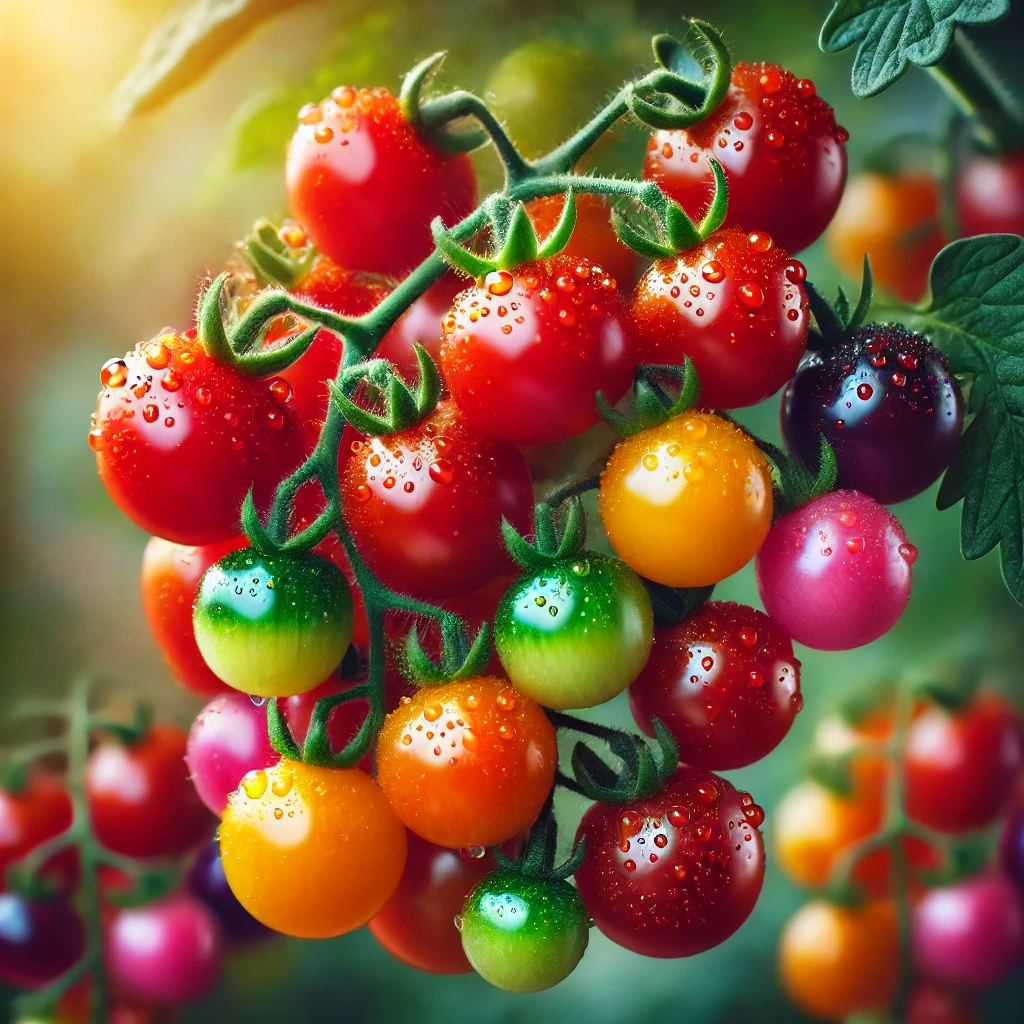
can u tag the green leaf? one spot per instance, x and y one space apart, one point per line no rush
891 34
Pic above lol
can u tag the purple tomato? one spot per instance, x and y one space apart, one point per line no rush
207 881
1011 845
39 941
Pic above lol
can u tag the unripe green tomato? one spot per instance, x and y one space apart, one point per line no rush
273 625
524 934
575 634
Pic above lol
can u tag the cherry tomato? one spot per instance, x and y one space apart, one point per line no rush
780 147
424 506
170 581
417 924
524 934
273 625
736 306
525 351
593 237
141 801
725 683
929 1003
29 818
990 195
343 723
208 883
575 633
1011 845
39 941
887 404
894 219
687 503
837 961
960 768
835 573
227 740
167 952
327 839
366 186
180 439
467 763
970 934
676 873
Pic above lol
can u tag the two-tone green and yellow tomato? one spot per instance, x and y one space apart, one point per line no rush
576 633
524 934
273 625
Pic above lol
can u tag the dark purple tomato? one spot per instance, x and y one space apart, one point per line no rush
208 884
39 941
887 404
725 683
1011 845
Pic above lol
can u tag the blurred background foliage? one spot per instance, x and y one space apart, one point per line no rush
107 230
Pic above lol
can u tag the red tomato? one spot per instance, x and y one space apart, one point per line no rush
39 812
780 147
935 1004
960 768
417 924
170 581
990 195
342 725
366 186
141 801
424 506
735 305
180 439
525 351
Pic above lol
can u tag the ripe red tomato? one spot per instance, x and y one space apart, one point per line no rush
170 581
467 763
424 506
960 768
417 924
780 147
675 873
525 350
180 439
39 812
141 801
736 306
725 683
990 195
367 186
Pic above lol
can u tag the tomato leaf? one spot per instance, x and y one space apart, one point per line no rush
892 34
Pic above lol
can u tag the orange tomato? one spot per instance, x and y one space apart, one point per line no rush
688 502
467 763
311 852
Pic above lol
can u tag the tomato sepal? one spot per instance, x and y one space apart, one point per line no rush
537 857
654 405
671 605
459 659
275 260
432 118
793 484
554 542
281 738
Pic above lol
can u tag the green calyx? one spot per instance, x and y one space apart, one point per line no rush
672 605
461 658
553 541
518 242
537 857
654 404
433 118
793 483
274 259
835 321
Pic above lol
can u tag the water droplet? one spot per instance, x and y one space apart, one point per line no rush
865 391
742 121
805 87
759 241
432 712
158 356
693 472
278 813
323 133
678 817
499 282
458 922
506 700
695 429
114 373
855 545
771 81
707 792
748 636
774 138
703 832
650 462
908 360
255 784
629 865
754 814
713 272
507 731
908 552
441 471
150 413
751 295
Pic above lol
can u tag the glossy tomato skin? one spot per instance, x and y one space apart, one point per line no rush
417 925
990 195
1011 845
687 503
208 883
676 873
782 152
575 633
39 941
424 506
725 683
336 851
30 817
525 350
165 953
343 723
836 961
273 625
141 800
970 934
227 739
467 763
735 305
170 581
886 402
960 768
894 219
180 440
366 185
835 573
524 934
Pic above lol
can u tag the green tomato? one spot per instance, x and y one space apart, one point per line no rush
576 634
524 934
273 625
